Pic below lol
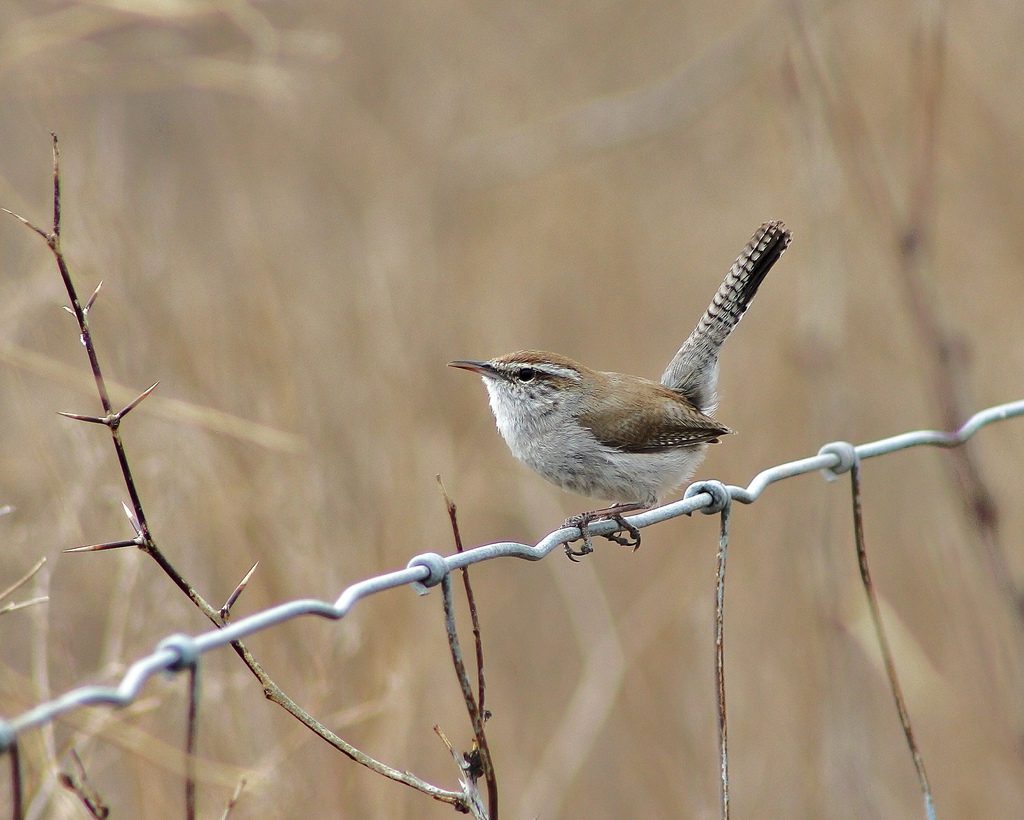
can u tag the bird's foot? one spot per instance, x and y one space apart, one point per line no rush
582 521
633 538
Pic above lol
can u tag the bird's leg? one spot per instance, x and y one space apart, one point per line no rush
613 513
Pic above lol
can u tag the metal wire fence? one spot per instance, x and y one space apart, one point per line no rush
179 652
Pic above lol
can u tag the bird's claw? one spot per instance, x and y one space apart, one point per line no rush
634 534
580 522
583 521
575 555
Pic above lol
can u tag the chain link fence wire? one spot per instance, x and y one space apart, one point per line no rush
182 653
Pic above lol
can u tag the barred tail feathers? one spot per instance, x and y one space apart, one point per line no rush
693 371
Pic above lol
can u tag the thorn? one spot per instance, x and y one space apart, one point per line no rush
109 545
28 224
91 419
69 310
136 401
225 611
132 519
92 298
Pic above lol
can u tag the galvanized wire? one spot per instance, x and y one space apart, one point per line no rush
181 652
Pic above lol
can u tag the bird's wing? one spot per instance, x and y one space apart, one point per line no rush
621 419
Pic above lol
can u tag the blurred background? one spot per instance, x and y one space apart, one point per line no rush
301 211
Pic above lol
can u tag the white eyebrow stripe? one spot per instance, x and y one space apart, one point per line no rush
557 370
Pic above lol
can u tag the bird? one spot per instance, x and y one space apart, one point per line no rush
616 436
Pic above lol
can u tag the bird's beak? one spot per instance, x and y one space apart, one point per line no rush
483 368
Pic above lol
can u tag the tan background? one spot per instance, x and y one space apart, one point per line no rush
301 211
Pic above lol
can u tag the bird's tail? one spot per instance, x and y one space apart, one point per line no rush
693 371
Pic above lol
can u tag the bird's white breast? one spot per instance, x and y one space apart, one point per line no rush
550 440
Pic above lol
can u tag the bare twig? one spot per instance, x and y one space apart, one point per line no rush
444 739
14 606
144 539
470 599
24 579
225 611
234 799
110 418
475 716
481 711
78 782
883 642
56 187
469 766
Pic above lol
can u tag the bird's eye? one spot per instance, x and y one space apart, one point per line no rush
526 374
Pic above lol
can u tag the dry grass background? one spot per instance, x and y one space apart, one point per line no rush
302 210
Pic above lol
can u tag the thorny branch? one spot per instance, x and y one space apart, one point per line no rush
478 715
144 539
469 765
470 599
475 716
78 783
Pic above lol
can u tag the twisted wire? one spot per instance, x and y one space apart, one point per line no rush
180 652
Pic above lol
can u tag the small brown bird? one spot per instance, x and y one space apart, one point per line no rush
617 436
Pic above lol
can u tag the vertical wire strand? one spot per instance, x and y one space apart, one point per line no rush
190 742
17 809
883 642
723 729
